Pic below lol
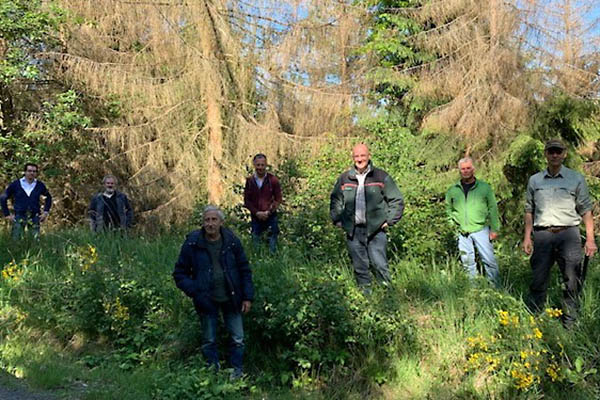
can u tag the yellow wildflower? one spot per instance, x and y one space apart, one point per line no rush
12 272
553 372
554 312
537 333
504 317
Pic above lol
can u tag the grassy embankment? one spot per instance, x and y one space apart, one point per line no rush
99 318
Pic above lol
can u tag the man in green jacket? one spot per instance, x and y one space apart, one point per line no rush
365 201
471 207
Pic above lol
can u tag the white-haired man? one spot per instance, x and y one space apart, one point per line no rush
110 209
471 208
213 270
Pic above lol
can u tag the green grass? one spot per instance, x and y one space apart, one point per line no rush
116 326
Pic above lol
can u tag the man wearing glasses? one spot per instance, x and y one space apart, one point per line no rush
25 194
557 200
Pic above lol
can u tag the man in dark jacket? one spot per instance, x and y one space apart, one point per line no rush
213 270
25 194
110 209
262 196
365 201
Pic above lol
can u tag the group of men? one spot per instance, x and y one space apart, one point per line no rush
557 200
108 209
213 270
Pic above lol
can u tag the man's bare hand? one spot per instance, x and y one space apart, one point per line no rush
590 247
493 235
44 216
384 226
527 246
10 218
246 305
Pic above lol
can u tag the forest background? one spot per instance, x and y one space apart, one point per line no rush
175 97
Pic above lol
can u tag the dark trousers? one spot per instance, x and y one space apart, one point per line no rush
565 248
365 251
259 227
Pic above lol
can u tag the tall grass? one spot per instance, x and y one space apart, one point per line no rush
98 317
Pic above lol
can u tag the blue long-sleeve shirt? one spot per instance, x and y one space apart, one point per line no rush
23 203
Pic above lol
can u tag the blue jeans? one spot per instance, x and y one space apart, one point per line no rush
235 327
31 221
481 241
258 227
365 251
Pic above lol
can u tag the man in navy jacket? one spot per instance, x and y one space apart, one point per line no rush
213 270
25 194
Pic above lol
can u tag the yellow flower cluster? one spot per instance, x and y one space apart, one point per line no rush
117 310
553 372
554 312
477 342
12 272
506 319
528 364
88 257
524 378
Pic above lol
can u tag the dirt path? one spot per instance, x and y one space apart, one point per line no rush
12 389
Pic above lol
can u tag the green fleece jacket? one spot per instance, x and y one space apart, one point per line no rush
475 211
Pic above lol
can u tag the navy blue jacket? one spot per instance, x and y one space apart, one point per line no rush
96 211
193 272
23 203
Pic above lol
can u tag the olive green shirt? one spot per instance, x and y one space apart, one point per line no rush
219 294
558 200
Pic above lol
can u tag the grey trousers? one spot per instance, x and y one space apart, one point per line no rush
565 248
366 251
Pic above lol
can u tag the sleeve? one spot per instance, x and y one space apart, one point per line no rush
128 212
336 202
48 200
92 213
394 199
245 271
493 210
182 274
449 207
529 197
583 200
8 193
277 199
247 200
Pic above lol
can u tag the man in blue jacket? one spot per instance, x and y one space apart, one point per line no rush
213 270
25 194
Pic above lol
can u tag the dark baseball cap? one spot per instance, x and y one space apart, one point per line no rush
554 144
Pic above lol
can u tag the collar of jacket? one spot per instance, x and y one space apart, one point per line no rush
197 238
458 184
116 193
352 173
266 179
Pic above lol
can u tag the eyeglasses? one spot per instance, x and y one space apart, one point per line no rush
32 171
554 150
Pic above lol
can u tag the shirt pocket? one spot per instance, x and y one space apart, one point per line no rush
565 198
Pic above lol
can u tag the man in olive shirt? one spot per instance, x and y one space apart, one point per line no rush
471 208
213 270
557 201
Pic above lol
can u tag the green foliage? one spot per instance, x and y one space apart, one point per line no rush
25 30
573 120
390 43
193 380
